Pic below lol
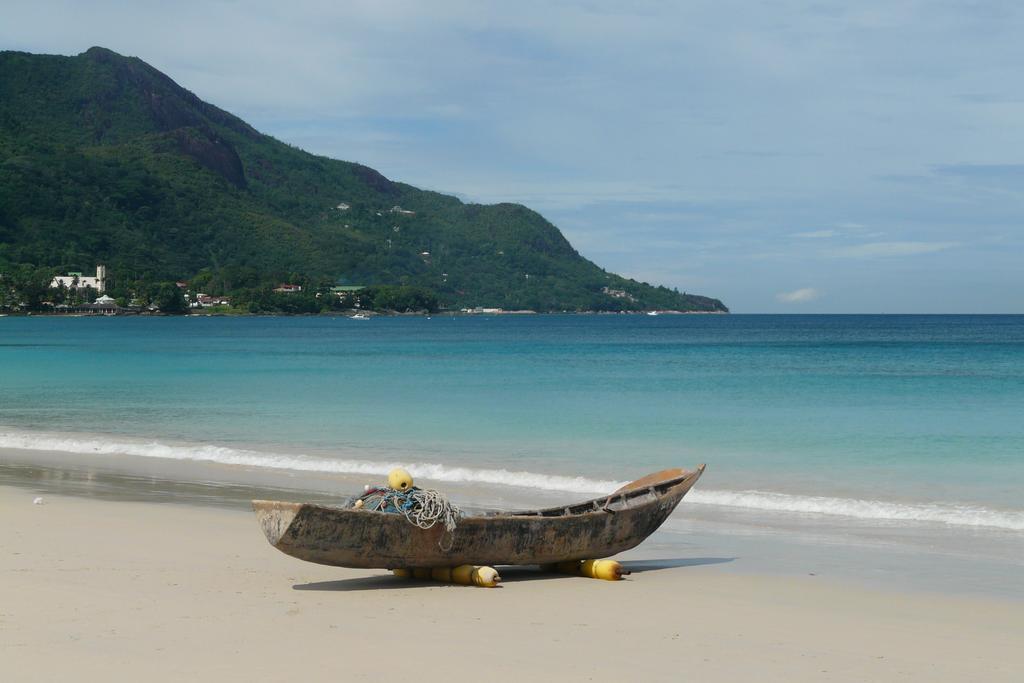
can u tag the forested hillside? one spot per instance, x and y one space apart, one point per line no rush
103 159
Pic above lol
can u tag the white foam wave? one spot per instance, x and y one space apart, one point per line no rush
304 463
955 515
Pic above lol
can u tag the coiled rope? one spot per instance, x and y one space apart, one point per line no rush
421 507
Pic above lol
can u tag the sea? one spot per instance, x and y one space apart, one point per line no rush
884 449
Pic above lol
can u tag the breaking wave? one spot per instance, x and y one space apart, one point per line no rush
304 463
882 511
944 513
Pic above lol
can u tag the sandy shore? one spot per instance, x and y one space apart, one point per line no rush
141 591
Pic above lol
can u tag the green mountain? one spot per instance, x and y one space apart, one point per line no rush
103 159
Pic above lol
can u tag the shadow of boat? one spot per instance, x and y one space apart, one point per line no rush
509 574
640 566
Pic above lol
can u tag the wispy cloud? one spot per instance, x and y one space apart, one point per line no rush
982 171
990 98
816 234
999 179
798 296
885 249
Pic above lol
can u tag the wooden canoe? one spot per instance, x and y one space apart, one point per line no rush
351 537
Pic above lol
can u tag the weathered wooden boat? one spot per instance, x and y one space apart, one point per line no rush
352 537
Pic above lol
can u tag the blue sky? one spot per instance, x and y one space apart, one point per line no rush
792 156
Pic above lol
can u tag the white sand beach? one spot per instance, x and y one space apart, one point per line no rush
104 590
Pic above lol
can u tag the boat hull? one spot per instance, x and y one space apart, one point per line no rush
349 537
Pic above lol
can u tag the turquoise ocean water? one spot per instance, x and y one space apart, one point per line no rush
902 422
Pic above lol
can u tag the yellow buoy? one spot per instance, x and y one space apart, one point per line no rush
609 570
463 574
399 479
486 576
358 503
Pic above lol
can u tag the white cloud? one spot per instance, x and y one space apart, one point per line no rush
883 249
798 296
817 234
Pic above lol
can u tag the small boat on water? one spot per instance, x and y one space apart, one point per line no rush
346 536
359 316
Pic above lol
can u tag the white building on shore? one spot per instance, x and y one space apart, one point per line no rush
78 281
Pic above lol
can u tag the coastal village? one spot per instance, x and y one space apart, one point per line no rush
76 293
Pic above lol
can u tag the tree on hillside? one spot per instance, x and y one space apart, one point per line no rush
398 298
169 298
31 285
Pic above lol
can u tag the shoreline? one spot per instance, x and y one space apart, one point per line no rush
911 560
94 587
344 314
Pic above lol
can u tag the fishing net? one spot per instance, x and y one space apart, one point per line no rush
421 507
